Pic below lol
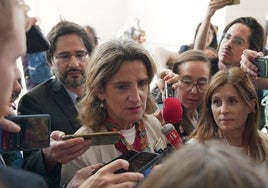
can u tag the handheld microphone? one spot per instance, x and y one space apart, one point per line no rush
172 110
172 135
172 113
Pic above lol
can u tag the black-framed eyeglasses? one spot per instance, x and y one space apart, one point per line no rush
66 56
188 84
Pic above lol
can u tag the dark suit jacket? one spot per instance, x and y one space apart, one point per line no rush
49 98
14 178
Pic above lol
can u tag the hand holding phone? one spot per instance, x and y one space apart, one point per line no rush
112 180
34 133
234 2
60 150
169 91
138 162
8 125
262 64
36 41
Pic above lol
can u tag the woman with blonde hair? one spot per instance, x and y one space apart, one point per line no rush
118 99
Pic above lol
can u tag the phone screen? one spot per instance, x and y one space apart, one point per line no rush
143 162
34 133
139 162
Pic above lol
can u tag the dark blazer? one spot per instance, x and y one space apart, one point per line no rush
14 178
51 98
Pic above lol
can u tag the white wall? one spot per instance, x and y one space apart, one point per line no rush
105 15
168 23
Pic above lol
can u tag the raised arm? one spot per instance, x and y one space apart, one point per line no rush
201 36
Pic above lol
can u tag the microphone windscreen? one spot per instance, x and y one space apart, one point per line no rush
172 110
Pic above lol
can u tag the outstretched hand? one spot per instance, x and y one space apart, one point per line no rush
215 5
105 177
166 75
82 175
63 151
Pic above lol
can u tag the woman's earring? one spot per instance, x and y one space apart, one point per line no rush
101 105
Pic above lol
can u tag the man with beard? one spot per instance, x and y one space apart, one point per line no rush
240 34
68 55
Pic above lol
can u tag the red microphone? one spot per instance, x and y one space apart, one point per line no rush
172 113
172 110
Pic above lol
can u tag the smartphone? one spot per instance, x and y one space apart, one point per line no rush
34 133
169 91
142 162
234 2
98 138
36 41
262 64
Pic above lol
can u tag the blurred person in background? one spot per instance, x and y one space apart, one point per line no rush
70 48
92 35
13 26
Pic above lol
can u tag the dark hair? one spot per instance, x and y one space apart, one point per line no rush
92 33
256 39
67 28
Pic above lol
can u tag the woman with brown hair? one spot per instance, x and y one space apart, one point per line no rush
230 113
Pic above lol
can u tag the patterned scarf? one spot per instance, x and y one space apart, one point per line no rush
140 142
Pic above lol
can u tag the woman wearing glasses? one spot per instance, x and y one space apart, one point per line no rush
193 68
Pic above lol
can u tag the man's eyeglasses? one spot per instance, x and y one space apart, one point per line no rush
66 57
188 84
237 41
